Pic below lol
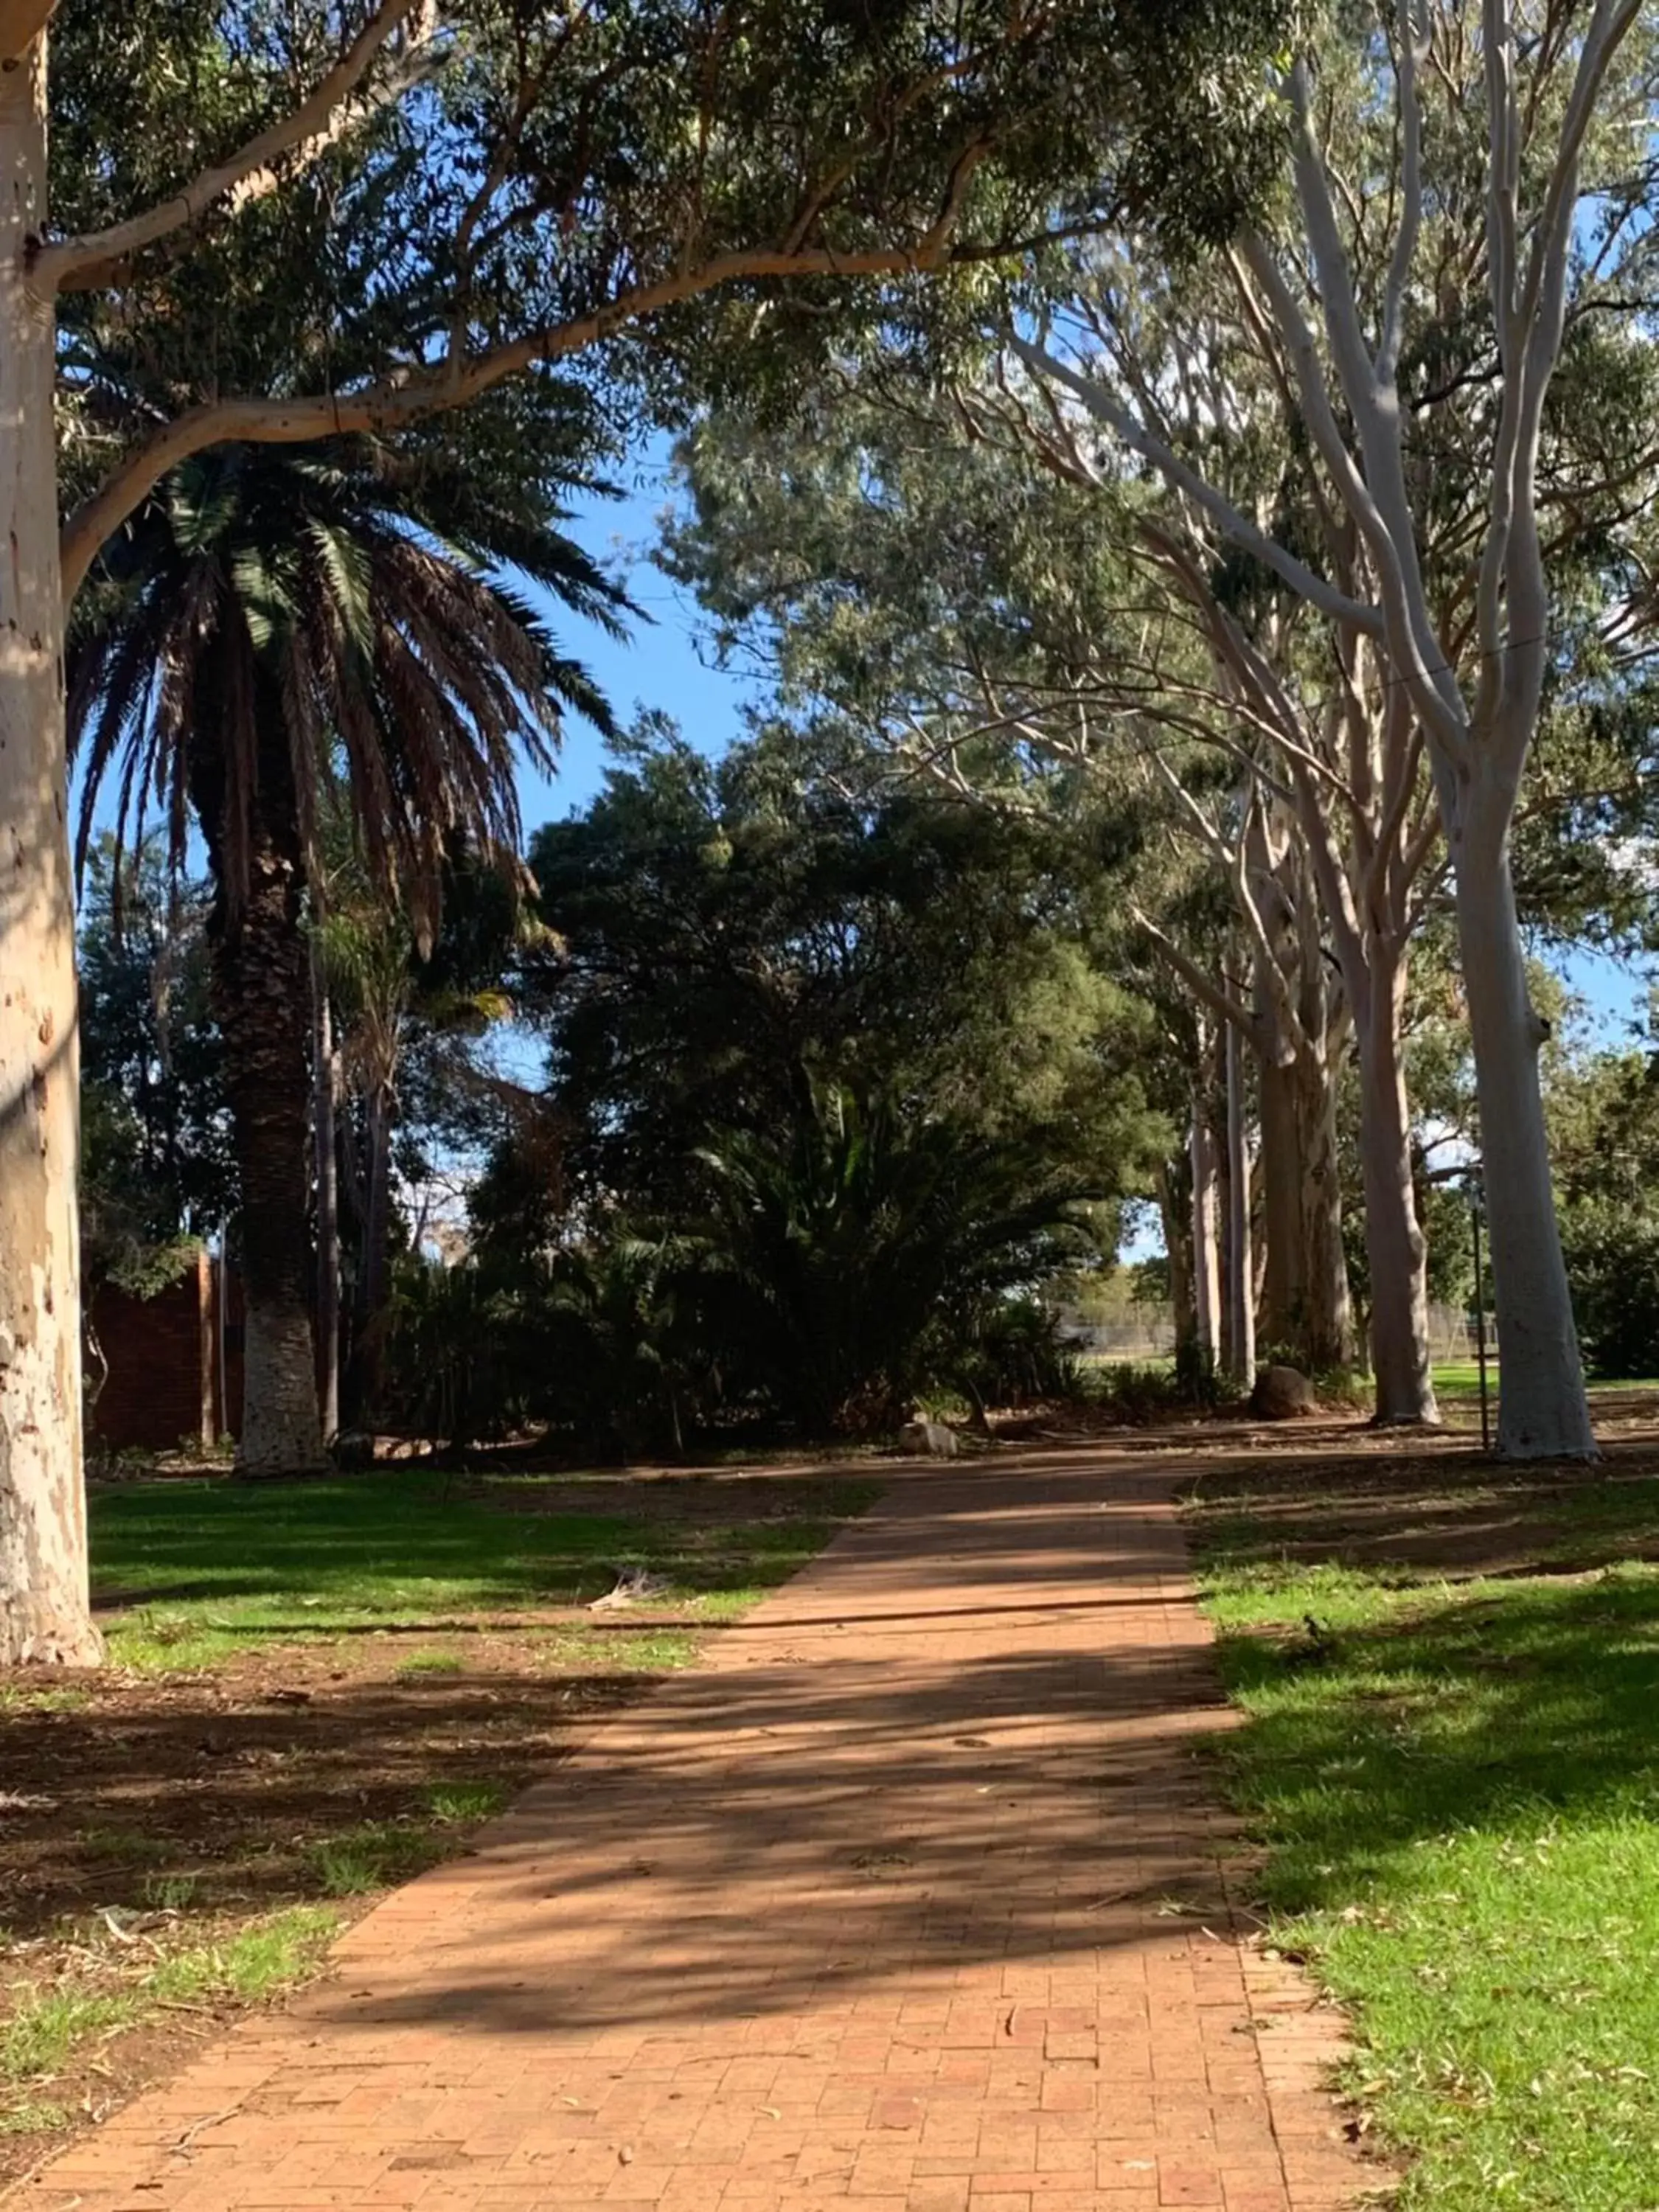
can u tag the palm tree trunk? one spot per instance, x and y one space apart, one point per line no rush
262 1000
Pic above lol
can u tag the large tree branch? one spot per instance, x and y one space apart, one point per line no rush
393 402
1383 512
1100 404
22 22
1411 181
251 173
1221 1003
1539 327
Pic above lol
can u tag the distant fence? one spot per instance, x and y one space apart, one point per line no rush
1148 1333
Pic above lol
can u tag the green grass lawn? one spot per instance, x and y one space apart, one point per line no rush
1457 1784
199 1568
1459 1376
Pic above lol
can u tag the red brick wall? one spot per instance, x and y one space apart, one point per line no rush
165 1383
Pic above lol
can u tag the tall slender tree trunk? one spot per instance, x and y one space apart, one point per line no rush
377 1239
326 1178
1174 1216
1284 1301
1241 1272
1543 1411
1328 1325
1207 1236
45 1607
1395 1250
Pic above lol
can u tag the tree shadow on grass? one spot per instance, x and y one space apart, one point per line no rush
1426 1515
1506 1709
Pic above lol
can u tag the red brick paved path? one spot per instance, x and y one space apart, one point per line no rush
909 1901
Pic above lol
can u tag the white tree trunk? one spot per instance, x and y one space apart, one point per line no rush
45 1611
1395 1250
1543 1412
1206 1238
1241 1272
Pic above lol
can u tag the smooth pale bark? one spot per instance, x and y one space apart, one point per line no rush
326 1091
1207 1237
1543 1411
1241 1273
44 1608
1395 1250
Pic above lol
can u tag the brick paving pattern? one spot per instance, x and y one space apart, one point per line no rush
911 1899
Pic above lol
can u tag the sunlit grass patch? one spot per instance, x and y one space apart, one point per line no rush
1457 1782
452 1801
47 2027
202 1570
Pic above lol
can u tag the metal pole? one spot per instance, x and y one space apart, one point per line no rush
1480 1323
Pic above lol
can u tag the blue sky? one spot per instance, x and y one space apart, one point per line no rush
657 666
661 665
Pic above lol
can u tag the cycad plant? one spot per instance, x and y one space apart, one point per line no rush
273 628
847 1256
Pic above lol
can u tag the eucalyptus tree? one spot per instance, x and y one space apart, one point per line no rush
1333 848
274 624
989 628
1447 332
227 223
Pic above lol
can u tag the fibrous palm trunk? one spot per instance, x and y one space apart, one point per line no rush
261 985
377 1242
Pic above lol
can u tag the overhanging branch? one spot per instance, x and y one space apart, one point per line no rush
251 173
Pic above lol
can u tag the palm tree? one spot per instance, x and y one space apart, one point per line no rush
273 626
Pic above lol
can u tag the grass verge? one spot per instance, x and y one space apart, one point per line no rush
107 1992
1453 1763
200 1569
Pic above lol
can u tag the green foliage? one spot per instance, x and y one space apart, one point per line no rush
1010 1354
848 1257
1604 1126
156 1171
1456 1787
537 165
834 1073
327 624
